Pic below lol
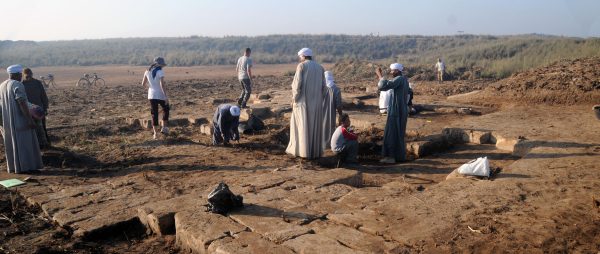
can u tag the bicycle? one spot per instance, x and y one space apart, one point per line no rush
90 80
48 81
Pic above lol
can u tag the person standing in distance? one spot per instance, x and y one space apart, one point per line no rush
244 70
154 80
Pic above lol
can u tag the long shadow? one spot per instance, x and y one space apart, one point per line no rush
265 211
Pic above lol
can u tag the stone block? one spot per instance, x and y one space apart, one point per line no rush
132 121
197 229
505 143
456 135
433 144
206 129
262 113
445 110
197 121
479 137
350 237
146 123
317 243
159 217
179 122
268 222
246 242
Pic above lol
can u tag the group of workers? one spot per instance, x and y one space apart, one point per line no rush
316 104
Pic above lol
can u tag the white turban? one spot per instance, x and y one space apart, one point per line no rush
234 110
305 52
17 68
396 66
329 79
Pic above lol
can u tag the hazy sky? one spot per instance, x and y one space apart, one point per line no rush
91 19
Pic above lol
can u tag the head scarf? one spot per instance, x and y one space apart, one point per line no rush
329 79
396 66
234 110
305 52
17 68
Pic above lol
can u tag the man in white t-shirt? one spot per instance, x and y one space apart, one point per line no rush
155 82
244 71
441 68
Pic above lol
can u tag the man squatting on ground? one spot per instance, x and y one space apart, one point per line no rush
154 79
344 141
225 124
244 70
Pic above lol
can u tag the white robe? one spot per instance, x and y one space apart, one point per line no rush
306 123
20 142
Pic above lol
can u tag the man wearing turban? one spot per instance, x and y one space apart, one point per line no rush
394 146
18 128
306 123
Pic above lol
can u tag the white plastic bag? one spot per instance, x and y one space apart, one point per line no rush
478 167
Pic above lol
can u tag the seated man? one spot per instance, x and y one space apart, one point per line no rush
225 124
344 142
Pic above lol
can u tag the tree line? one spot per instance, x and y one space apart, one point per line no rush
496 56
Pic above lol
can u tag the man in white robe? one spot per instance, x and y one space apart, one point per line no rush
306 123
18 128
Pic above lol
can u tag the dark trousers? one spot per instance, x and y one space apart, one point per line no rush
246 90
154 111
349 152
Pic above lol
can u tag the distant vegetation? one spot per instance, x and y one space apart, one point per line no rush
495 56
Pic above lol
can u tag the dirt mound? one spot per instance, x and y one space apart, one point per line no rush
564 82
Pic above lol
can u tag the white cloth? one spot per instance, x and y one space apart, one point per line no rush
384 100
477 167
396 66
329 79
154 90
16 68
440 66
306 123
235 111
20 142
305 52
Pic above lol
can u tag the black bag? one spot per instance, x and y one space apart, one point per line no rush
221 200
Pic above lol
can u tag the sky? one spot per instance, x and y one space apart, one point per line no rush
43 20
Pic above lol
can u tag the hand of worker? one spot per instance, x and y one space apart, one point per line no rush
378 71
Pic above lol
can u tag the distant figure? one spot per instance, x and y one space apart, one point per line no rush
244 70
225 124
306 123
18 128
154 80
332 102
36 94
394 147
441 68
344 142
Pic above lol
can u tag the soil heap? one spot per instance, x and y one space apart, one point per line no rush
565 82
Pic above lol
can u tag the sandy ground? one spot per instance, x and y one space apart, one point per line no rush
102 172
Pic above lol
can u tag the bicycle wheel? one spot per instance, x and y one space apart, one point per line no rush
100 82
82 83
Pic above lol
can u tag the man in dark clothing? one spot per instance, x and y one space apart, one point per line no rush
225 124
36 94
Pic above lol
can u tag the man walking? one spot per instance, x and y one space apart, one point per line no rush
394 147
18 129
36 94
306 123
244 70
441 69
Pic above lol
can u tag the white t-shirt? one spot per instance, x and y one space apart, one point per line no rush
440 66
154 91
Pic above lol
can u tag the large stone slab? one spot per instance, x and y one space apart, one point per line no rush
197 230
351 237
268 222
247 242
159 217
317 243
